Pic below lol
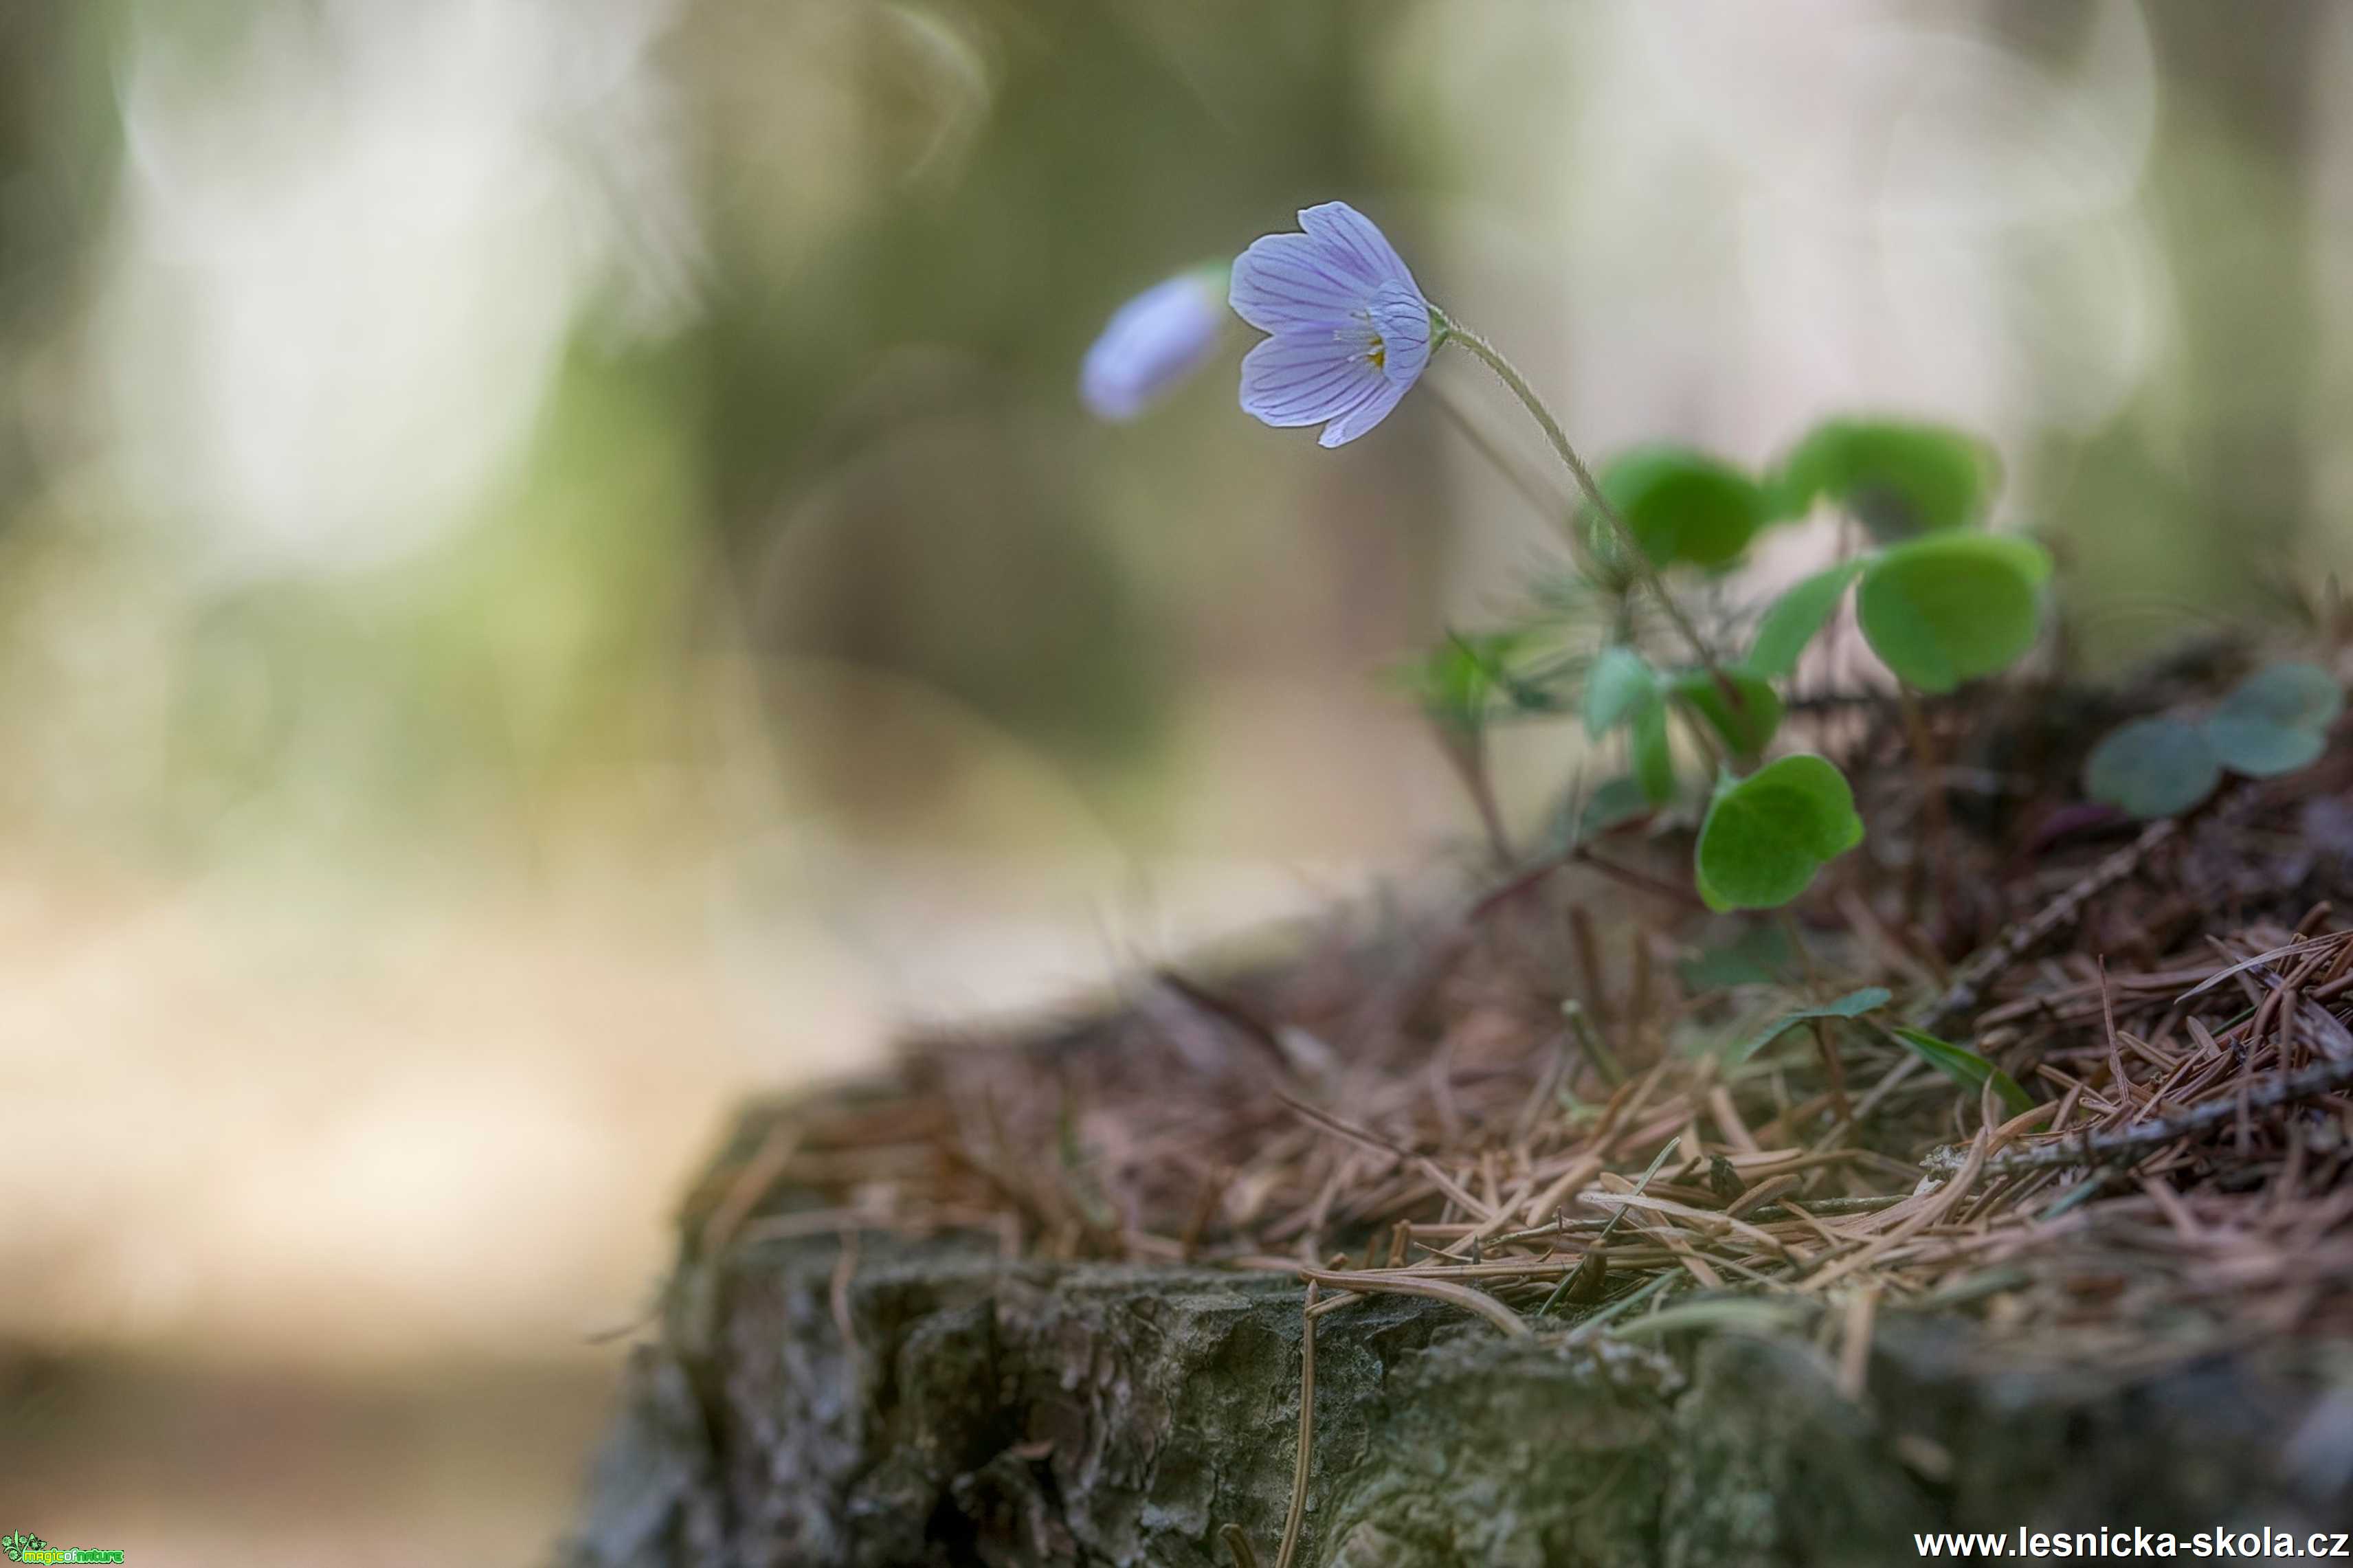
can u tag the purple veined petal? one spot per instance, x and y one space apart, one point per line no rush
1305 379
1349 236
1351 330
1365 413
1400 320
1285 281
1302 382
1288 359
1151 344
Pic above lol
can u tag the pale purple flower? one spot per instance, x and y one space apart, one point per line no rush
1152 342
1351 330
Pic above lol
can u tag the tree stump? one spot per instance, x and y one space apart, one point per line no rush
981 1410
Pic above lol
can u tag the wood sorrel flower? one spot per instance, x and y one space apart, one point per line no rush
1152 342
1351 331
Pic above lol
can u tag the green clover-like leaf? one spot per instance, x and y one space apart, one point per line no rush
1765 836
1952 606
2153 767
1684 505
1901 478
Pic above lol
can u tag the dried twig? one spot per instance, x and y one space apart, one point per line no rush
2088 1148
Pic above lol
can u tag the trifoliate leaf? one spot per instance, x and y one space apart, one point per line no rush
1797 617
1745 730
1766 835
1965 1067
1853 1005
2153 767
1900 478
1952 607
1618 686
1685 505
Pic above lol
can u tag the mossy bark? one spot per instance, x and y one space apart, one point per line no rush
1015 1413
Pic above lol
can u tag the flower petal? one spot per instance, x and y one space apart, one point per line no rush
1351 330
1365 413
1285 281
1350 240
1305 379
1401 317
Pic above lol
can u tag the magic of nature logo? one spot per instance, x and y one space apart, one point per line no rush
19 1547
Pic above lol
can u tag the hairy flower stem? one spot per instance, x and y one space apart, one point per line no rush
1510 376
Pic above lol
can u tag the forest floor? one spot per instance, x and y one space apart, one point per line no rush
1567 1095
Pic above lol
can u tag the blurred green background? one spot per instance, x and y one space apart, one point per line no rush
552 571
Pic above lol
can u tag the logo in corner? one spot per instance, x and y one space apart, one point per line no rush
25 1547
